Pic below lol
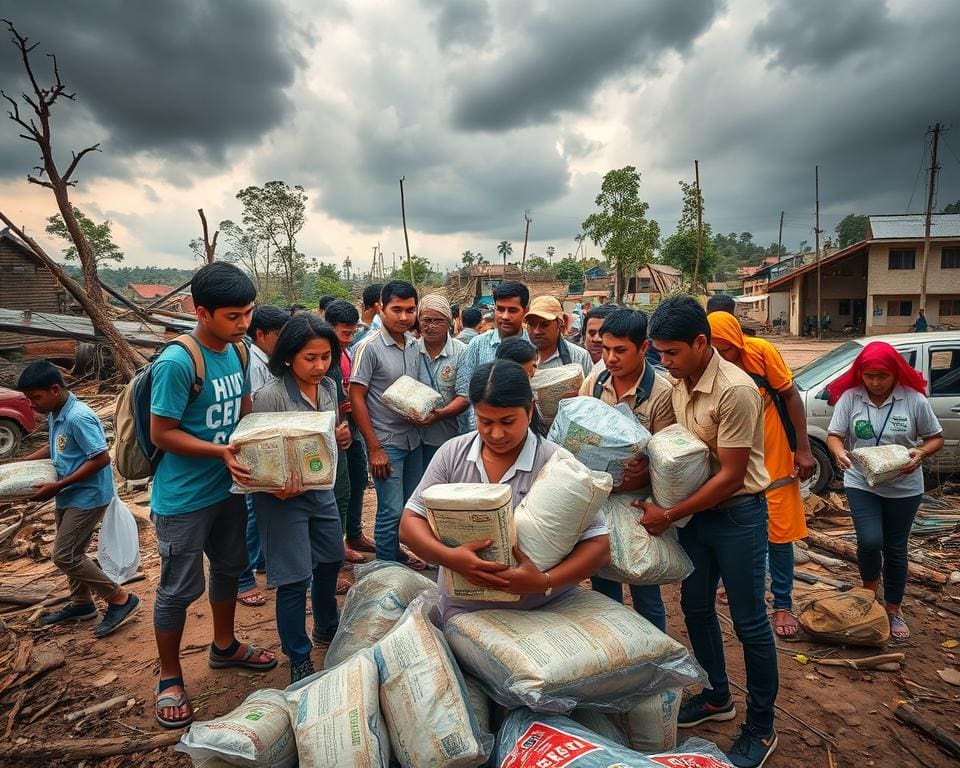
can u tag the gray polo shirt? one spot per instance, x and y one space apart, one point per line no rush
377 363
442 375
577 355
905 418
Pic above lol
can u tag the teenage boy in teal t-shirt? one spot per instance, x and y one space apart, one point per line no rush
192 507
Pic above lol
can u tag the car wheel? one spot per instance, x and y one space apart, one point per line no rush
9 438
823 471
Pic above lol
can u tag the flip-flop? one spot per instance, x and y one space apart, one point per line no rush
164 700
343 585
252 599
352 556
781 628
898 627
411 561
224 660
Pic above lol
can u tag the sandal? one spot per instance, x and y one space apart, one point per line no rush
898 627
411 561
221 659
343 585
361 544
170 700
252 598
785 625
352 556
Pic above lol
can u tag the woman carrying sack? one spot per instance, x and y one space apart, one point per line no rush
881 400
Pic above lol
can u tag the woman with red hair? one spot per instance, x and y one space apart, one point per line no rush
881 400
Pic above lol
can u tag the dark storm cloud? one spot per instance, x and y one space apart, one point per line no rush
564 53
183 80
820 33
461 22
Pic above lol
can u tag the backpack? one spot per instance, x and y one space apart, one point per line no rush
136 456
780 403
644 386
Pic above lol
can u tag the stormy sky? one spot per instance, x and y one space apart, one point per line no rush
488 108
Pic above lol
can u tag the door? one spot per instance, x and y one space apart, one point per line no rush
860 315
943 373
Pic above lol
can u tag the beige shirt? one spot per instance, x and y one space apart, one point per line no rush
655 413
725 410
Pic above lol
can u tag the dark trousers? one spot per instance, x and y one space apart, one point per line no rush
350 485
647 600
292 606
883 529
248 579
731 544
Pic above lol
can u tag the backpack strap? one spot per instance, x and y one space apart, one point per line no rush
243 353
189 342
564 351
781 405
598 384
644 386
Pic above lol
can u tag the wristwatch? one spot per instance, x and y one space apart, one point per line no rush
549 590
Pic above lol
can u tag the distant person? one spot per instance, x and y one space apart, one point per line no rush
592 341
323 303
370 314
457 319
471 320
920 326
721 304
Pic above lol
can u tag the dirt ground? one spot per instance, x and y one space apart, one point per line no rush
848 710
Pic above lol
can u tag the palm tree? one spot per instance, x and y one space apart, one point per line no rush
468 258
550 251
480 260
581 241
504 249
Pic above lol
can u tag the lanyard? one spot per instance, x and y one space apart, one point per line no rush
880 435
433 381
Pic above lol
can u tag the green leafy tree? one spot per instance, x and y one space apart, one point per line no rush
504 249
467 258
537 264
680 249
99 236
621 228
851 229
953 207
422 271
569 270
551 250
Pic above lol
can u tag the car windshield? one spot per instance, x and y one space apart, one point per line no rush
816 372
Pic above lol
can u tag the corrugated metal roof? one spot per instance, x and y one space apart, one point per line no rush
911 225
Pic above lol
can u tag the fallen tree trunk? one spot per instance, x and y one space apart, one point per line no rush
848 551
79 749
907 714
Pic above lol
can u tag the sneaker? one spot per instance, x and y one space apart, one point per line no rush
116 616
301 670
83 612
321 639
751 751
698 710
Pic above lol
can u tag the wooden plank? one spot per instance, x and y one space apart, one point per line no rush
81 328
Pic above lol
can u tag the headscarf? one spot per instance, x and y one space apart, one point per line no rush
877 356
726 328
436 302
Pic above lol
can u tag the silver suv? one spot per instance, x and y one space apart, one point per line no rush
935 355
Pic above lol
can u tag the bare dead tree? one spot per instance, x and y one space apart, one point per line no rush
38 130
209 246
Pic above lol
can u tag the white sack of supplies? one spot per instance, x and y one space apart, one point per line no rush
651 726
636 557
411 398
276 445
424 698
562 502
463 512
550 384
601 436
256 734
881 464
19 479
581 649
372 606
679 465
336 717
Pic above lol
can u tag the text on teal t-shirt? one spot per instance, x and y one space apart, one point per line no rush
186 483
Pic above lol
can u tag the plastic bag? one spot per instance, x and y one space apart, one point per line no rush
851 618
411 398
424 698
561 504
118 548
651 726
580 650
679 465
257 734
19 479
601 436
550 384
375 603
881 464
636 557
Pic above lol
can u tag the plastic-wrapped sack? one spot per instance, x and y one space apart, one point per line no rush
550 384
601 436
118 547
257 734
679 465
462 512
336 716
528 740
651 726
581 649
600 723
562 502
853 617
636 557
482 706
424 698
882 463
374 603
19 479
411 398
275 445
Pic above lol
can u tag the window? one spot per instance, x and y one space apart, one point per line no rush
902 258
950 258
949 307
844 310
899 308
944 372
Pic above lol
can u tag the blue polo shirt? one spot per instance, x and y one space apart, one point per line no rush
76 436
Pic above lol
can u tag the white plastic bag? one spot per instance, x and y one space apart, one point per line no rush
679 465
651 726
550 384
412 399
118 549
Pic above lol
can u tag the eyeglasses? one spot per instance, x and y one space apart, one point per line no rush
434 321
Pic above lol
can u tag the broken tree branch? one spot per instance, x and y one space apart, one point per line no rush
77 157
209 247
79 749
848 551
907 714
93 709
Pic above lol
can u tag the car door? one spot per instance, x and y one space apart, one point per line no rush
942 361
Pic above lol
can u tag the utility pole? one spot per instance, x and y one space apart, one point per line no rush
816 235
406 240
373 269
526 234
926 225
780 239
696 266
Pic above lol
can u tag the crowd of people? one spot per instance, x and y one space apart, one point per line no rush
683 364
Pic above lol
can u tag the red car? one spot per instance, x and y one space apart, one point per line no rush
16 419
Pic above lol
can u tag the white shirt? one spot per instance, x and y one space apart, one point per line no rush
260 374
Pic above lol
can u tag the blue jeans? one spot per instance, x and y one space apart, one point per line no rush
883 528
646 600
731 544
248 578
781 575
406 469
292 605
357 471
